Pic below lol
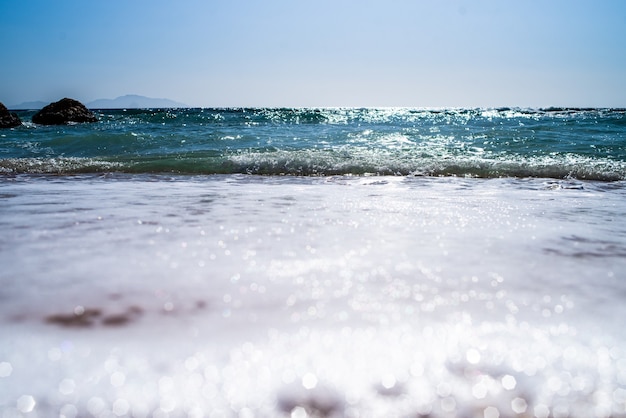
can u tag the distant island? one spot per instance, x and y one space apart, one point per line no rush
28 105
133 101
129 101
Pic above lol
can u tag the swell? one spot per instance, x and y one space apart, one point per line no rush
322 163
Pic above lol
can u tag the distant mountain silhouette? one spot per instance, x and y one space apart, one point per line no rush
36 105
133 101
130 101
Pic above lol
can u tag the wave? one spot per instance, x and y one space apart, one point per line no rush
325 163
60 165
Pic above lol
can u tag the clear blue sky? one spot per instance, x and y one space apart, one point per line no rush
317 53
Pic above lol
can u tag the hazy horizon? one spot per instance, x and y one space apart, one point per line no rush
323 54
91 105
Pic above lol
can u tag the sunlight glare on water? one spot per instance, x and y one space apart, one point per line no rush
355 296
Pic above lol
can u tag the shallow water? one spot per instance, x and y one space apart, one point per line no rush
235 295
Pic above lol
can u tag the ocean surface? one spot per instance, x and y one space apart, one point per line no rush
315 263
486 143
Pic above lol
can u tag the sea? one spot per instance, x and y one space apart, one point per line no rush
315 262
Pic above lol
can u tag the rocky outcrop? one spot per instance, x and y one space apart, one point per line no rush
8 119
62 112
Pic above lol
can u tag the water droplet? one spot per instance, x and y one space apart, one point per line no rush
508 382
518 405
68 411
491 412
25 403
5 369
67 386
388 381
299 412
309 381
473 356
479 390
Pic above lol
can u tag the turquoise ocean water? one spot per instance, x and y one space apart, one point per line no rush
553 143
315 263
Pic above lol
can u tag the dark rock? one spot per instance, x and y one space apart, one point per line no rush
8 119
79 318
62 112
89 317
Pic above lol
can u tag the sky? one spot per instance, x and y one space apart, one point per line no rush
296 53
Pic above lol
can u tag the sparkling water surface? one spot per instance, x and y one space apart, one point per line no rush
238 295
488 143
